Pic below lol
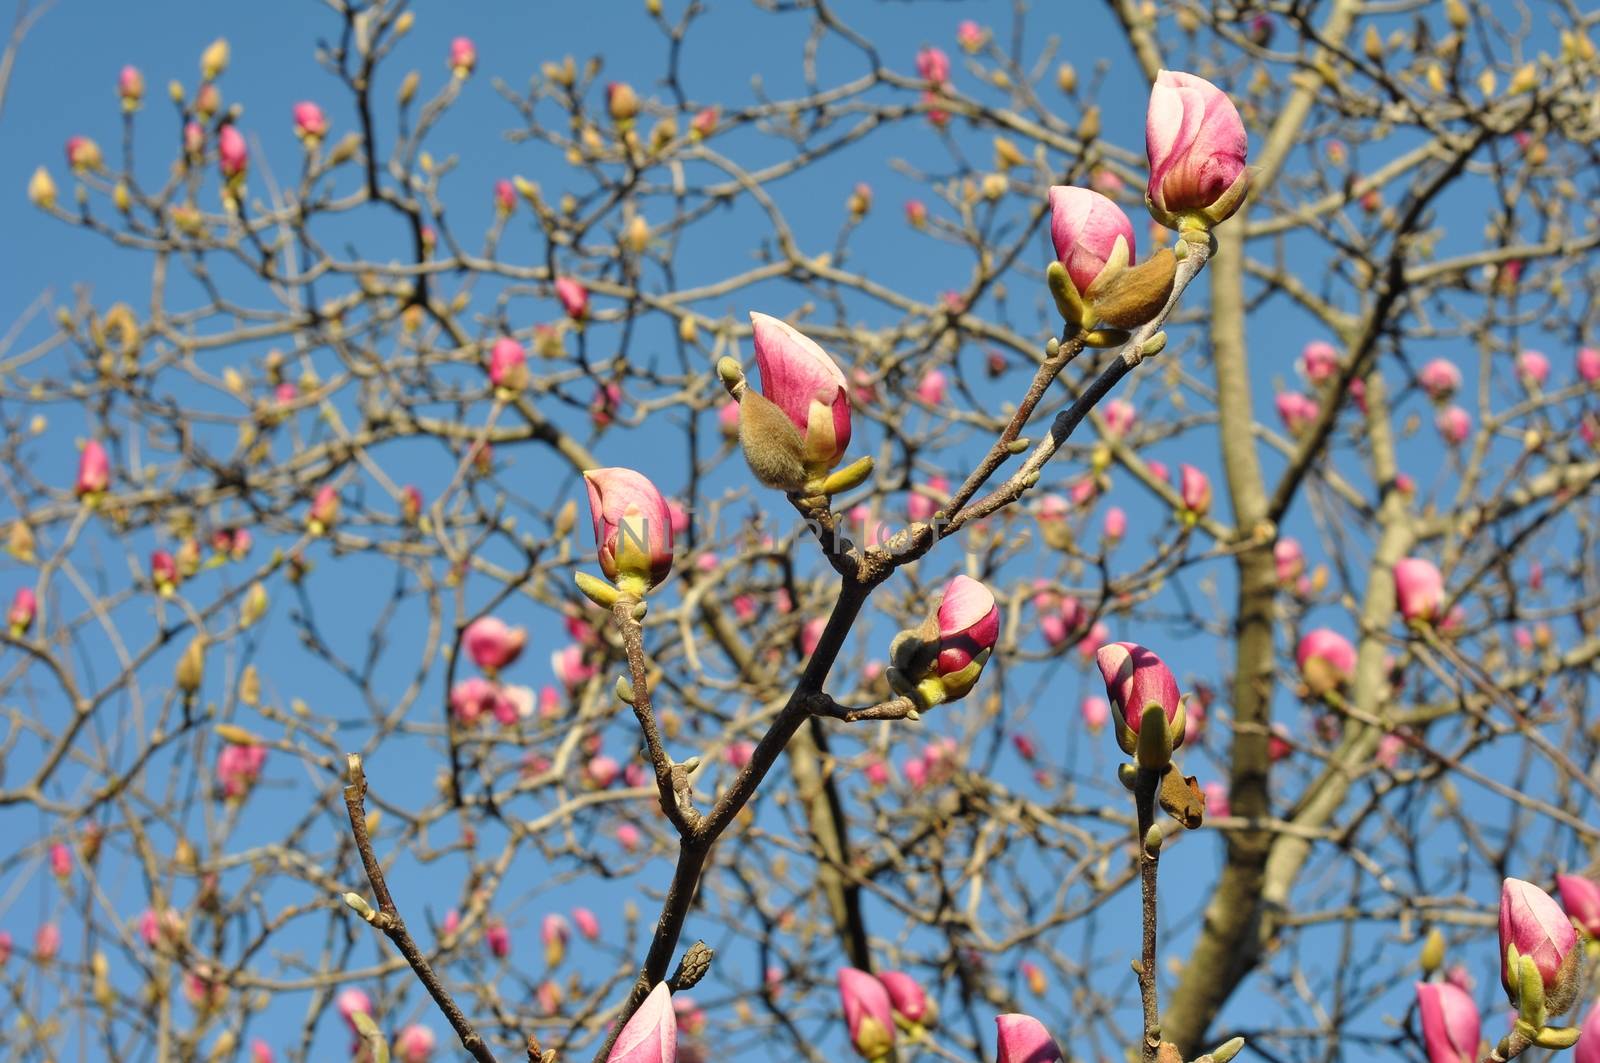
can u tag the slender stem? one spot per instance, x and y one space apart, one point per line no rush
387 918
1144 796
672 780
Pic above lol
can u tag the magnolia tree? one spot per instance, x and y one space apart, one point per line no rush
1267 445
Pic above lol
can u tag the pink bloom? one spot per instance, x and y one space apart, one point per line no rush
970 35
94 470
1390 746
1023 1039
738 753
498 938
60 860
309 121
1589 364
1091 642
1119 415
1533 369
1419 588
705 121
325 506
463 56
1134 678
261 1052
574 297
1025 747
933 66
1194 487
803 382
931 388
83 154
811 634
1159 470
1216 798
916 213
24 607
232 155
651 1035
508 364
130 86
1450 1027
505 196
1581 898
877 773
492 643
1454 425
1288 559
352 1002
1090 232
1440 379
632 528
1197 146
1534 925
415 1044
1319 361
1096 711
867 1012
1587 1050
46 942
728 419
1326 660
906 996
554 932
1116 525
588 925
1296 411
691 1019
512 703
969 623
628 837
239 768
601 771
471 698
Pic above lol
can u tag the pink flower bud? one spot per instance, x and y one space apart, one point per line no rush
60 861
415 1044
628 837
1454 425
352 1002
232 155
83 154
1533 369
492 643
970 35
1216 798
1194 488
463 56
1319 361
1197 147
1116 525
632 528
1534 925
728 420
1296 411
1095 711
471 698
508 364
574 298
1390 747
931 388
1587 1050
705 121
1288 559
1581 898
1134 678
46 942
1419 588
310 123
800 379
916 213
498 938
933 66
554 932
1120 416
1440 379
1588 364
24 607
651 1035
906 996
261 1052
601 771
130 87
1090 233
1023 1039
570 668
505 197
239 768
969 624
1326 660
588 925
94 470
1450 1027
867 1013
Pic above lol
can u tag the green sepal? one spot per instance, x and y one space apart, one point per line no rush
597 590
1556 1037
1068 301
851 476
1155 744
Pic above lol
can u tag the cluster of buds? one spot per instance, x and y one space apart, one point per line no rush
941 659
875 1007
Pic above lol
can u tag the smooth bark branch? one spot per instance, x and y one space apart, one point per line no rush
388 919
